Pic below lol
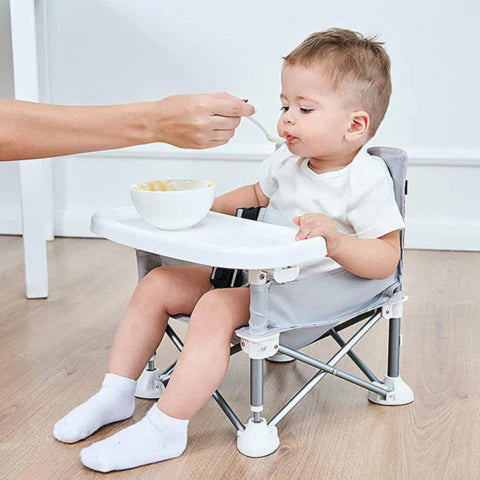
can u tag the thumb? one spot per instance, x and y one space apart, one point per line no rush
296 221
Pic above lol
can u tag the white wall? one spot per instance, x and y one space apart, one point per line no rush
112 51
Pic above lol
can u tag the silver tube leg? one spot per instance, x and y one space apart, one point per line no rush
257 439
256 388
151 364
400 393
394 347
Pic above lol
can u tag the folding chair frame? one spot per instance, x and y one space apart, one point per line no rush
258 437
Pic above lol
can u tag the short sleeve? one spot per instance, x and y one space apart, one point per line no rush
267 178
373 211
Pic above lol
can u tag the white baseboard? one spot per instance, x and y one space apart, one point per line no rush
74 223
423 231
439 234
10 219
71 223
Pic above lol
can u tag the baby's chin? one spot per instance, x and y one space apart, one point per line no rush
298 148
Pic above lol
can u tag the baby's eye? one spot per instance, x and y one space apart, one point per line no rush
306 110
284 109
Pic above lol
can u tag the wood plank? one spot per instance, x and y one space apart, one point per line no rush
53 354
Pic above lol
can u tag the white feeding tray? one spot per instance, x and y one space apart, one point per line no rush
218 240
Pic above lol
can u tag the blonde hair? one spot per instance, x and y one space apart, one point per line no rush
358 64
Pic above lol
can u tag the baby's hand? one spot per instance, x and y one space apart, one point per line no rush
317 225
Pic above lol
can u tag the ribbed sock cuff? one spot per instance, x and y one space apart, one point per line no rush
117 382
166 423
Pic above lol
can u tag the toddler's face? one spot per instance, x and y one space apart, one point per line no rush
314 116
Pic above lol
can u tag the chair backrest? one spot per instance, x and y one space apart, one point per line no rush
397 162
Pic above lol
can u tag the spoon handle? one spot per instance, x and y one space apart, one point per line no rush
258 124
270 138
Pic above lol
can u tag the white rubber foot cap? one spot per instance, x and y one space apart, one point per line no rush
280 358
258 439
149 385
401 393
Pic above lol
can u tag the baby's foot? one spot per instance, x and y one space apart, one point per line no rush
155 438
113 402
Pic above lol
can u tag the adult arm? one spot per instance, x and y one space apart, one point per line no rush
33 130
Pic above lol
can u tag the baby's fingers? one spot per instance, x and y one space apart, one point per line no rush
309 232
320 231
304 232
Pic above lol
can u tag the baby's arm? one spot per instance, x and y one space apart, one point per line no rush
247 196
374 258
370 258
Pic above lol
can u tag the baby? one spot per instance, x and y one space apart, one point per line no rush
335 92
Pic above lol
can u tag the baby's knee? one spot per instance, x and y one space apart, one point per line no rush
211 311
211 302
155 278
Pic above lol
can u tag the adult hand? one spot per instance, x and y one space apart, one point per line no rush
198 121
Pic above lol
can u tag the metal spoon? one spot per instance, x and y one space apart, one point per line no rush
270 138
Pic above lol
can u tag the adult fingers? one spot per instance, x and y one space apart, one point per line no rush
216 143
223 123
229 106
219 135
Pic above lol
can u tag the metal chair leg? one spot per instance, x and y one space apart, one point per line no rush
401 393
258 439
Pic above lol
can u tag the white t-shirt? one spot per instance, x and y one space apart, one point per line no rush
359 198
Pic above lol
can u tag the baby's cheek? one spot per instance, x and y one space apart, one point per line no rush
318 138
279 126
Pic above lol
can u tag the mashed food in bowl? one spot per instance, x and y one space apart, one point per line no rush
168 186
173 204
158 186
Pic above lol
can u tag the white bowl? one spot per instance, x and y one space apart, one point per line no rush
181 204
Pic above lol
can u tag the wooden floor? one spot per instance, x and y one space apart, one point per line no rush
53 355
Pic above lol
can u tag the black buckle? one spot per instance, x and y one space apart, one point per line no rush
226 278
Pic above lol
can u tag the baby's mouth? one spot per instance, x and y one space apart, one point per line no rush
289 138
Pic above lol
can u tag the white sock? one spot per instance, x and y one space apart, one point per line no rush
155 438
113 402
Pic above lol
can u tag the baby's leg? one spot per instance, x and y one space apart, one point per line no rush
162 433
163 292
205 356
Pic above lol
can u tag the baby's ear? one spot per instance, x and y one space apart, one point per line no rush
358 126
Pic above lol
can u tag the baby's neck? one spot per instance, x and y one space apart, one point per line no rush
331 163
